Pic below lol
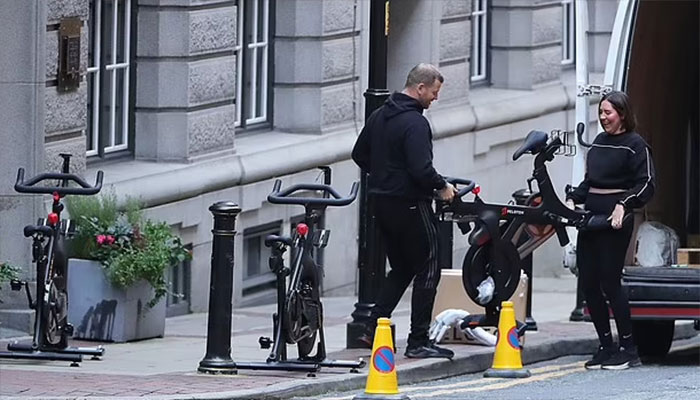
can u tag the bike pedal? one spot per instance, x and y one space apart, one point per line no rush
68 329
16 284
265 342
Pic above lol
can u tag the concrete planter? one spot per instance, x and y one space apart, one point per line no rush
99 311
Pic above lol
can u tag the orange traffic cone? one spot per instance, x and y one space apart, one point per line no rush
506 359
382 383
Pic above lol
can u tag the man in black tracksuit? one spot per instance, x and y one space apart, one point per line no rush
395 148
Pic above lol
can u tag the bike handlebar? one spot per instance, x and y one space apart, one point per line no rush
284 196
580 128
85 189
470 185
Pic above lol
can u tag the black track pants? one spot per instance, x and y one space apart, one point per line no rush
600 258
409 230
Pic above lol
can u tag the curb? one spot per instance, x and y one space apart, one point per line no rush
429 370
415 372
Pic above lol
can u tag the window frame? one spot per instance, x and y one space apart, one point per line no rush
264 281
101 73
479 56
179 278
246 51
568 39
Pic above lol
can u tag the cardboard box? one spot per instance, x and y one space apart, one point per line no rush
451 294
689 258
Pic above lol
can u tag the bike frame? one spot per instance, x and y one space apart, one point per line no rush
503 225
51 263
304 280
550 212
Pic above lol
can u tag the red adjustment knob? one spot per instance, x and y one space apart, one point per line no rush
302 229
476 190
53 219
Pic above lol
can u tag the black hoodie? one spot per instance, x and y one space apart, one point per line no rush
395 147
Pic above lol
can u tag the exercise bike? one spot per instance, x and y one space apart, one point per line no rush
501 235
51 327
299 316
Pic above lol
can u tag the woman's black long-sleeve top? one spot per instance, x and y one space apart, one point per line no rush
621 161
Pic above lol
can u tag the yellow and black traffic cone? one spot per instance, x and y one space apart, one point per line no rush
506 360
382 382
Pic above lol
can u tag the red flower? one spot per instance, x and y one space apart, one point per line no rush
101 239
109 239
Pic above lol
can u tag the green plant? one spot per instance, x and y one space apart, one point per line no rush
130 247
8 272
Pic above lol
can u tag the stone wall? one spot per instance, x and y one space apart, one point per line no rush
455 48
66 111
525 42
186 78
22 105
317 58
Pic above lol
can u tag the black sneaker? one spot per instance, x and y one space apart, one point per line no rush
603 354
429 350
623 359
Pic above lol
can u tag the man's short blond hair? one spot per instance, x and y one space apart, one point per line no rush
423 73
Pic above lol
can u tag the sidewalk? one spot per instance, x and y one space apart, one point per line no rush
167 368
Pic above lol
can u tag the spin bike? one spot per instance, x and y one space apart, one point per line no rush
299 316
51 327
501 235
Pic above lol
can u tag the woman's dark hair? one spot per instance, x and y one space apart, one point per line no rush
621 103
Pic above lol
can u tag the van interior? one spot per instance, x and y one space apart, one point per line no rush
662 81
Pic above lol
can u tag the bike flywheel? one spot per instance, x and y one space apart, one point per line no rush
500 261
56 318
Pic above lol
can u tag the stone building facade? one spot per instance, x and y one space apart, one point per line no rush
183 103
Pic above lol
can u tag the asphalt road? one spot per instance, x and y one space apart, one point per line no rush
675 377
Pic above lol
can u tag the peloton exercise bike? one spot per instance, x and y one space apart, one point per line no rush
501 235
299 316
51 327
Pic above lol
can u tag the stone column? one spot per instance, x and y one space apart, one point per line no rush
455 48
317 58
525 43
413 38
22 88
186 73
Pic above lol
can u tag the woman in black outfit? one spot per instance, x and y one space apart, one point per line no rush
619 177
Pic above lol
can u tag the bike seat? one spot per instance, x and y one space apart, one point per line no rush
535 141
30 230
272 239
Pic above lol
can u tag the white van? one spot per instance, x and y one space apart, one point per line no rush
653 57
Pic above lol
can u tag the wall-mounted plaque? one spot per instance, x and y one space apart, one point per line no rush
69 54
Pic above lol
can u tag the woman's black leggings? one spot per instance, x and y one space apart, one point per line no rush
600 258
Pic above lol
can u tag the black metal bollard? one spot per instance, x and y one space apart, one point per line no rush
218 356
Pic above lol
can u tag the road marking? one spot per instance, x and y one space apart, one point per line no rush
484 380
503 384
497 383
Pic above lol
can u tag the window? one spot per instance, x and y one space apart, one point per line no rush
479 54
253 66
568 38
179 278
258 280
109 64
